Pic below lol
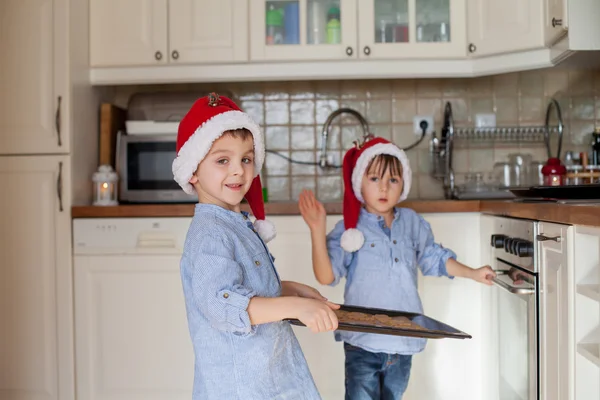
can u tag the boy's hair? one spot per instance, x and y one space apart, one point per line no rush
241 133
384 162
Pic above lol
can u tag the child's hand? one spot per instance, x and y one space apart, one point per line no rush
312 211
317 315
483 275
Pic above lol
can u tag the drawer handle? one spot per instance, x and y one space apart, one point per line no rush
543 238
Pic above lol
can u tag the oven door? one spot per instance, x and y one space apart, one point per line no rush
515 303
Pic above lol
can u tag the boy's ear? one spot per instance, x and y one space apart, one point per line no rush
193 180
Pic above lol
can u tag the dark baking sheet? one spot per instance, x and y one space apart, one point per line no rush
434 329
565 192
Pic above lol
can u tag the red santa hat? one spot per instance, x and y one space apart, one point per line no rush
204 123
354 166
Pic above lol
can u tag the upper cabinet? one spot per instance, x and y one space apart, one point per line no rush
412 29
303 30
349 29
157 32
507 26
33 77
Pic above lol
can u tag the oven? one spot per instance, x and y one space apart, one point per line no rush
516 309
144 167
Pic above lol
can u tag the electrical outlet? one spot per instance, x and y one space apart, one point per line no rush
417 120
485 120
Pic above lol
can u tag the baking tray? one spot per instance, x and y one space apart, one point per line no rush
434 329
565 192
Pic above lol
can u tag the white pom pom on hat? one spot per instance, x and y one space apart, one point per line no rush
356 161
206 121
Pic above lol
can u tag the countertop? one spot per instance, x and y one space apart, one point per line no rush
573 214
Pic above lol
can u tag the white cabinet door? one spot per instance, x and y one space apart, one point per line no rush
132 338
400 29
36 335
554 306
128 33
555 20
33 77
507 26
461 304
305 30
208 31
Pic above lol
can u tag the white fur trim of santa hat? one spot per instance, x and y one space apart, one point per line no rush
352 240
198 145
365 158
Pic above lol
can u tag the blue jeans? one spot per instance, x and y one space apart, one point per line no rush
375 376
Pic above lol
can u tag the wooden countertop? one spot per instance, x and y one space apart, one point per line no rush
574 214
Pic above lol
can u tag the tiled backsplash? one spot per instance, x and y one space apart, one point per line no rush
292 115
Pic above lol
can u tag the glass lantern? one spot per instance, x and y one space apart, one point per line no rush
105 186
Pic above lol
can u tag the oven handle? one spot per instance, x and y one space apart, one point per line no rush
512 289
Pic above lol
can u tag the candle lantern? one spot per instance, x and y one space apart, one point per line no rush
105 186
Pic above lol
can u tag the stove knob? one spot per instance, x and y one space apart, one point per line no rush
524 248
513 246
498 241
508 244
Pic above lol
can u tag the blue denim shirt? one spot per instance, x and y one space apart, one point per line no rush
383 272
225 264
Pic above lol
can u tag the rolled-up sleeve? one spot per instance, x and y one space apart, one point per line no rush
217 284
340 259
431 256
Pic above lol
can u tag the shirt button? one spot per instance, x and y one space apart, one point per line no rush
396 259
257 263
395 242
225 295
372 244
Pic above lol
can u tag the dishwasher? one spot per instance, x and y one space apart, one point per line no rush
131 335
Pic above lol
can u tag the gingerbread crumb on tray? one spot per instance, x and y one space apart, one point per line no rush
379 320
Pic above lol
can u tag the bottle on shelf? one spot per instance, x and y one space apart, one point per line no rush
274 22
334 26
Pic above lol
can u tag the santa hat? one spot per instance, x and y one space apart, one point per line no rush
204 123
355 165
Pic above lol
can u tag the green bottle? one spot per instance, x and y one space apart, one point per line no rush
334 26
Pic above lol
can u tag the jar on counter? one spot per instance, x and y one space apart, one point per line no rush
554 172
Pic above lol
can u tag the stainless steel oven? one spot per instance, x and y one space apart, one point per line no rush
144 168
516 309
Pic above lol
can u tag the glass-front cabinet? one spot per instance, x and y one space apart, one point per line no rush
303 29
412 28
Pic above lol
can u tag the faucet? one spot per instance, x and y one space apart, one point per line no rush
325 132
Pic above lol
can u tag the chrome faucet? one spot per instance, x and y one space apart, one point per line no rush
448 138
325 132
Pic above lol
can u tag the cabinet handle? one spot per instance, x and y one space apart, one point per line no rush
556 22
59 187
158 55
367 50
57 120
349 51
543 238
175 54
472 48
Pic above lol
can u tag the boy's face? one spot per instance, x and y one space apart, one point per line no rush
381 192
226 173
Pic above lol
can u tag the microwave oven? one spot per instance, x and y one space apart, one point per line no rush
143 163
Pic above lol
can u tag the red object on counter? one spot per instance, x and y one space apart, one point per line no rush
554 172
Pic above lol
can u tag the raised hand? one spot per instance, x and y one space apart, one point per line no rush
312 211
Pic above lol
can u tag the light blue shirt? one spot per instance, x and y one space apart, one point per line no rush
383 272
225 264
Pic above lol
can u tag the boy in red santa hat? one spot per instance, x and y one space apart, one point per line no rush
378 247
234 299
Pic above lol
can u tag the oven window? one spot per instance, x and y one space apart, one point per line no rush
149 166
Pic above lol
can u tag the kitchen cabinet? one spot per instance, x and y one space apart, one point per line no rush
505 27
35 279
160 32
555 20
34 93
584 324
553 254
370 29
